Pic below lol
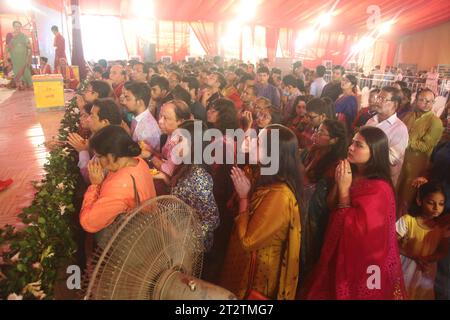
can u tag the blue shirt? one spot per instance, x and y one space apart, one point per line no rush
270 92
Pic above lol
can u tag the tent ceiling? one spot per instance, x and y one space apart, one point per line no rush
350 15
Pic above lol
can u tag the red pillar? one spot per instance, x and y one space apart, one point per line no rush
1 42
77 43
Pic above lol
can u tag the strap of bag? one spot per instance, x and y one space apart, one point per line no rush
137 199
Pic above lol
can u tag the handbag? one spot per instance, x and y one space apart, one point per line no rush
252 294
102 237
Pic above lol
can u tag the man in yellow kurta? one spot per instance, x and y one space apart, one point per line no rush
425 130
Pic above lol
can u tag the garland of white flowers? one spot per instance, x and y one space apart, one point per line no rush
32 257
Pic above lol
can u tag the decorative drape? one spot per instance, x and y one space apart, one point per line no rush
206 33
172 40
287 38
272 36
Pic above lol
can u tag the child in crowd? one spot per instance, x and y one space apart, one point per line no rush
422 241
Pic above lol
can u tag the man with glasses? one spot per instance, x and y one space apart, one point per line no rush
333 89
425 130
386 105
104 112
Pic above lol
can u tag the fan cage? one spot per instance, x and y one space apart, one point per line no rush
161 234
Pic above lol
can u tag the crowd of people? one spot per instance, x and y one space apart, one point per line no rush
358 208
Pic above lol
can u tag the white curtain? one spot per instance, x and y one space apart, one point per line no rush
102 38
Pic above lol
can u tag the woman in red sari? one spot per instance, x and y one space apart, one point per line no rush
360 256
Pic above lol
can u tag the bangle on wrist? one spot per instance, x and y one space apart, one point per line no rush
343 205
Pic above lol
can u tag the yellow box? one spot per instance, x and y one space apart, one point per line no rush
48 91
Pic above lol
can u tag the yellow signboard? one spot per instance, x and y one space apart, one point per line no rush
48 92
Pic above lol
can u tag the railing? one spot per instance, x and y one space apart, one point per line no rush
378 81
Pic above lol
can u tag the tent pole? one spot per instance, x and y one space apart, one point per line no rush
1 44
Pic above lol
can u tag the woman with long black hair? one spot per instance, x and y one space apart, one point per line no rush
264 248
360 257
320 162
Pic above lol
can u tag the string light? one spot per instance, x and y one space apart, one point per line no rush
325 19
385 27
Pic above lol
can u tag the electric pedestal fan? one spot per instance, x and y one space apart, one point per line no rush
153 253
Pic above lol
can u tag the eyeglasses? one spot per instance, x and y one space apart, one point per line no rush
425 101
321 133
381 99
263 116
311 117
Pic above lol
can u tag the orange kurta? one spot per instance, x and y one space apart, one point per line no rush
103 203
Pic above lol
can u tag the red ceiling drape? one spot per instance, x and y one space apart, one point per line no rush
350 18
350 15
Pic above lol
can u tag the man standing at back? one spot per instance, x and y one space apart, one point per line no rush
386 105
118 77
425 130
319 83
265 89
333 89
60 46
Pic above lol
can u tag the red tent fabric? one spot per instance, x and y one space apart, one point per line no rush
283 19
350 16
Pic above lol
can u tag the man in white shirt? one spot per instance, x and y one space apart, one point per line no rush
386 119
144 127
318 83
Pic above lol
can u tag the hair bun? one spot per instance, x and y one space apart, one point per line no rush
134 149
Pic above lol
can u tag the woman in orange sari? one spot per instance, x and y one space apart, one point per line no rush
360 257
127 183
